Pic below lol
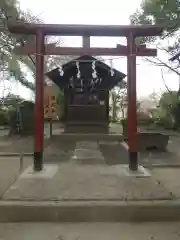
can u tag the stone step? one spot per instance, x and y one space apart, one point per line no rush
87 137
87 152
85 129
89 211
87 231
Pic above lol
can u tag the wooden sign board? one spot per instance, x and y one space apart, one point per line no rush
50 105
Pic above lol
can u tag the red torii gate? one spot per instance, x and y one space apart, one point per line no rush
131 51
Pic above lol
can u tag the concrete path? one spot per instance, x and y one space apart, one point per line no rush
77 184
170 179
86 182
87 152
71 192
10 169
90 231
111 152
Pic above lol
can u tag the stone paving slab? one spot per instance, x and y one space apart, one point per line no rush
49 171
87 152
10 169
115 153
90 211
86 156
87 145
61 150
86 182
170 177
90 231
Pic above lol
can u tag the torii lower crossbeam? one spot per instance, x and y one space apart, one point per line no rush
131 51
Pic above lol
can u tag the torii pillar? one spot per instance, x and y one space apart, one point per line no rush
131 94
39 102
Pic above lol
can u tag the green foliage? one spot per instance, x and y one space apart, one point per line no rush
168 100
3 117
169 103
8 105
165 13
144 119
117 97
160 12
167 114
10 101
124 123
164 122
25 117
115 104
10 64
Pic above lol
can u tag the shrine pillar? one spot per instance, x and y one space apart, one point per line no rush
39 102
131 93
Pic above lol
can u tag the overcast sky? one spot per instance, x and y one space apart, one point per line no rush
101 12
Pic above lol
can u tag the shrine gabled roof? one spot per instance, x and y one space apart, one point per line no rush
105 70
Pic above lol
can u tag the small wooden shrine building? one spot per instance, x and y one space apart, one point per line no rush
86 83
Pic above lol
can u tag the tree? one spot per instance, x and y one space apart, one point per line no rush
168 111
11 64
161 12
10 101
117 98
8 105
154 97
167 14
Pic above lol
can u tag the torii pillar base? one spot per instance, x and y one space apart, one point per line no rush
133 161
38 161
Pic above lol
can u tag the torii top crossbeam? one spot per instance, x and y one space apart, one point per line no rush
85 30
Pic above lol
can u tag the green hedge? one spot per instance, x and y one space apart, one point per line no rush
3 118
124 123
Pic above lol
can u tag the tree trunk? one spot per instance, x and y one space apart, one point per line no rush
114 112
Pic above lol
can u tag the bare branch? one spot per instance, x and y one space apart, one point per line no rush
162 75
161 63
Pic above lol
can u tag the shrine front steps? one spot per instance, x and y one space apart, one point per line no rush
146 140
88 137
82 193
86 128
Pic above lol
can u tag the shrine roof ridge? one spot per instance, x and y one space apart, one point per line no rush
61 81
85 30
100 63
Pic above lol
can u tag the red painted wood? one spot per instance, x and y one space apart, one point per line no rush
132 116
85 30
39 94
51 50
86 41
